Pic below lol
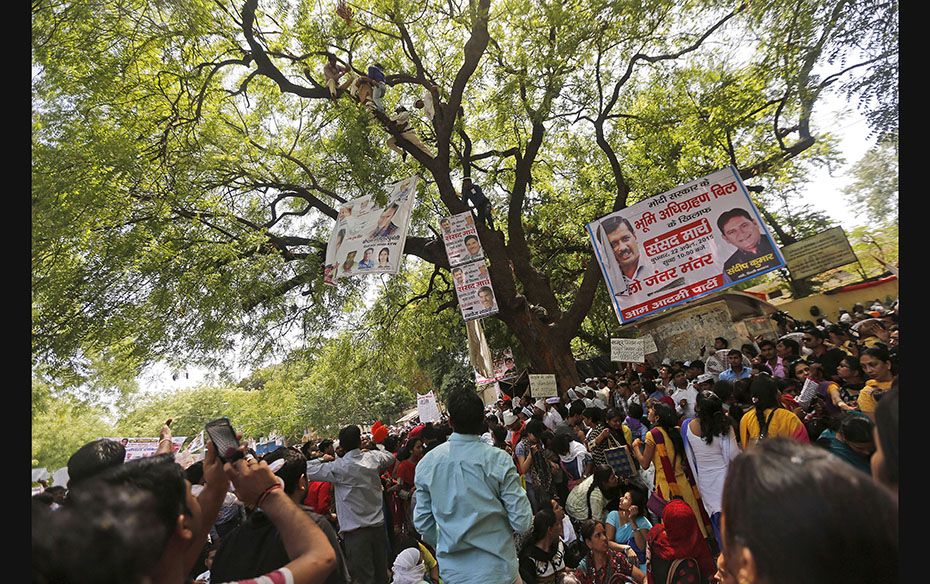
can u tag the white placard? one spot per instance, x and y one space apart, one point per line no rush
427 408
60 477
627 350
142 447
808 390
543 385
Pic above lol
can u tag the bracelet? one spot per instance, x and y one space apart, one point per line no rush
264 495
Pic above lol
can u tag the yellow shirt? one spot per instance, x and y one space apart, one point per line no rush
867 397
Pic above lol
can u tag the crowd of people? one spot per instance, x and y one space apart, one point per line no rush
783 470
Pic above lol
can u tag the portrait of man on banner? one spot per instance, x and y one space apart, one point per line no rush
628 265
754 252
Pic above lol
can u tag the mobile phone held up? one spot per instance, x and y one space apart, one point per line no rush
224 438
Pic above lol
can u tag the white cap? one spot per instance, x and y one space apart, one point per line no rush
572 395
509 417
541 404
553 400
528 412
589 380
704 377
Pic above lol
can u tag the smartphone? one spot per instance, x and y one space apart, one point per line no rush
224 438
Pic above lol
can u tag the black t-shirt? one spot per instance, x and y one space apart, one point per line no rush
255 548
830 361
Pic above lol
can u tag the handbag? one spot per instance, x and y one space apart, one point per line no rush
619 459
656 504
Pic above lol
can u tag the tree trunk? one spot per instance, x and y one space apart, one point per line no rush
547 351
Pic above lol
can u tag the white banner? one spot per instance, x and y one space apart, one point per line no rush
649 345
427 408
142 447
627 350
368 238
697 238
543 385
461 239
474 290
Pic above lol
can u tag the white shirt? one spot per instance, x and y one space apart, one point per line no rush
568 532
356 479
552 419
711 462
688 394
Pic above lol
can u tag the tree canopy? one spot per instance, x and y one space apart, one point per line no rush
188 160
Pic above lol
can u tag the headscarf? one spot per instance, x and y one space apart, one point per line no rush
679 537
408 569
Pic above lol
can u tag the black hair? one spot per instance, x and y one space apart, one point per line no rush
350 438
560 443
611 414
472 237
635 410
879 352
854 365
94 458
710 414
723 389
731 214
307 448
466 410
764 393
194 472
109 534
667 419
649 386
735 353
594 414
697 364
295 466
766 343
815 332
794 349
763 368
613 223
587 528
799 482
638 497
748 349
794 364
856 427
600 478
161 476
542 523
577 408
499 433
535 427
391 442
886 422
725 342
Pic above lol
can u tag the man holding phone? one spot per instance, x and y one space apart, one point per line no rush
356 478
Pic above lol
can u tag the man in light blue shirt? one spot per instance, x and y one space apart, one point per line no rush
359 507
469 501
736 369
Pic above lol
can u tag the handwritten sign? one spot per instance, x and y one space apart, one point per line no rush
427 408
627 350
649 345
543 385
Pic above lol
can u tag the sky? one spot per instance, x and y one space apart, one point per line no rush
825 194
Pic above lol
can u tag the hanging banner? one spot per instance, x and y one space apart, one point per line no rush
427 408
474 291
368 238
543 385
627 350
504 367
143 447
695 239
461 239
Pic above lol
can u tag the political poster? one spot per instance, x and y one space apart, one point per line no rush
627 350
461 239
369 238
142 447
816 254
682 244
427 408
543 385
504 367
474 290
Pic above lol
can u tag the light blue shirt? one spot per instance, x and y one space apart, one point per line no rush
469 503
730 375
356 479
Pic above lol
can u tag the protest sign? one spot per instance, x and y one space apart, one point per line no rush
683 244
504 367
808 390
474 290
142 447
543 385
39 474
427 408
461 239
197 443
60 477
369 238
818 253
627 350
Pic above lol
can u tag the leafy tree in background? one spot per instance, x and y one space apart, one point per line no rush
188 161
874 190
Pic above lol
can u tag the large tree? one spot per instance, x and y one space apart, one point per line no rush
188 159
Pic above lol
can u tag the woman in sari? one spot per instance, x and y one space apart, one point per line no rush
602 564
665 448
